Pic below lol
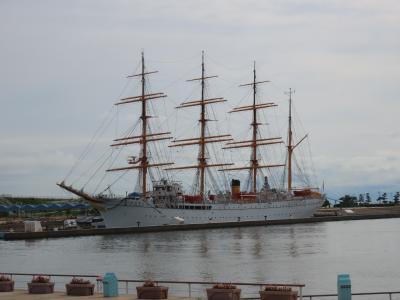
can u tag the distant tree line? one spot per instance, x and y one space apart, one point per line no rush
8 199
366 201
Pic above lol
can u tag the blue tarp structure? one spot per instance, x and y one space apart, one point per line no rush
42 207
3 208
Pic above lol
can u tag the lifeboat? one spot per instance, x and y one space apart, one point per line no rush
302 193
193 198
244 197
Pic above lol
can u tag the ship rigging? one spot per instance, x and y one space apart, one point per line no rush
255 142
166 201
203 139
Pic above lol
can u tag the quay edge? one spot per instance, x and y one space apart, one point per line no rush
181 227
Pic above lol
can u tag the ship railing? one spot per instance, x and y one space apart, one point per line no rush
192 289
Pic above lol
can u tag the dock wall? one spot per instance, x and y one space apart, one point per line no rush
181 227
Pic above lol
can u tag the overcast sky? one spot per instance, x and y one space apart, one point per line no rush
63 64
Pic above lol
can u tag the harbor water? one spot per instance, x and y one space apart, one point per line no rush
313 254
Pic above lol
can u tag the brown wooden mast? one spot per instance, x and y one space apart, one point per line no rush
203 139
142 163
290 146
254 143
254 160
202 154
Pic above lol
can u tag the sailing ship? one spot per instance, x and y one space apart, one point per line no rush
166 202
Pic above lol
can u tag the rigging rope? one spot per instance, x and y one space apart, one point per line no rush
91 177
115 181
98 133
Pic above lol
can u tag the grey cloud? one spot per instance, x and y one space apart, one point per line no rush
63 64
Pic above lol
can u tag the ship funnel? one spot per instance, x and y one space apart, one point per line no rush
235 188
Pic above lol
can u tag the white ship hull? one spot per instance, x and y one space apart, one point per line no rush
137 213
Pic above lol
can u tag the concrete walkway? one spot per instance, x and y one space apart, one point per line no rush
24 295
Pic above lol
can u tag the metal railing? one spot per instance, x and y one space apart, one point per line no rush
187 288
177 288
356 295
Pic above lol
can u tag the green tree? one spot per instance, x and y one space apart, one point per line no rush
379 199
367 198
347 201
361 198
382 198
326 203
396 198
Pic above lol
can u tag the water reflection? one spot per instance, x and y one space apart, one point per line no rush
257 244
31 243
204 246
293 248
237 246
310 253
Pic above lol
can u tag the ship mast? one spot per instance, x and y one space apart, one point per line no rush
142 163
254 124
203 139
143 160
290 146
255 142
202 154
